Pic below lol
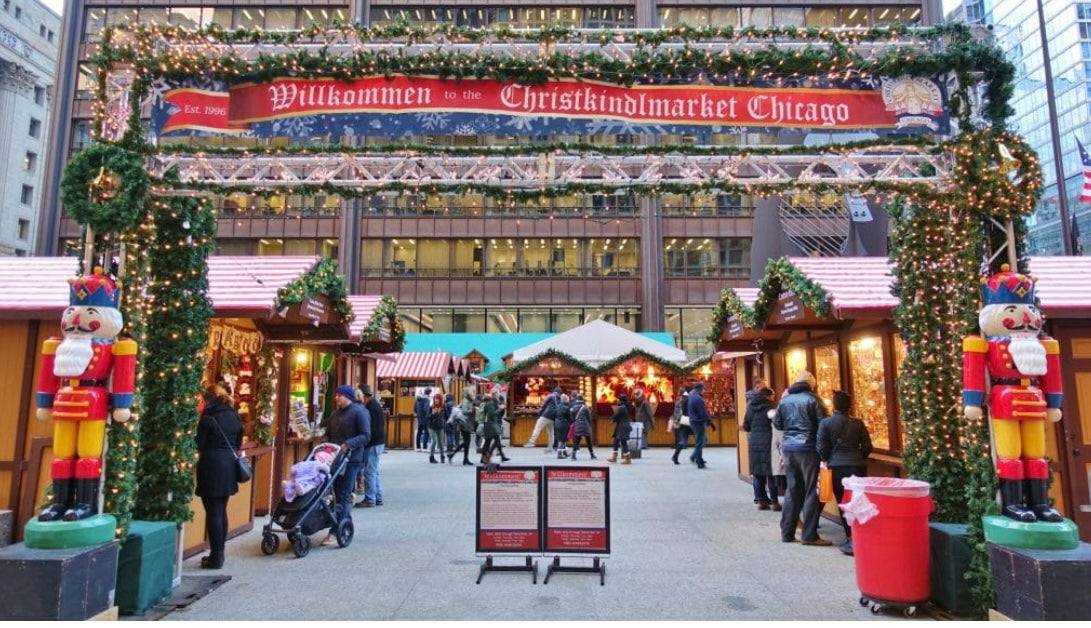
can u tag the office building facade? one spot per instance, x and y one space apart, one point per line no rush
28 61
469 262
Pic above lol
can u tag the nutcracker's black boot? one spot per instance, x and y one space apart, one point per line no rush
1011 498
62 496
1038 498
86 500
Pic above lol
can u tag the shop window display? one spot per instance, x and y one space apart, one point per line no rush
869 388
827 371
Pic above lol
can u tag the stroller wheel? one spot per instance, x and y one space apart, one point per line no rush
269 543
345 531
302 546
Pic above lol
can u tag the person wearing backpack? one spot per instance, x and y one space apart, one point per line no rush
421 408
546 416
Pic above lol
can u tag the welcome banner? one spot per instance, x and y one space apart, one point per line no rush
402 105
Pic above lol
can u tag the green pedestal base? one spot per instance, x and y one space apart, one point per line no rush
93 530
1038 535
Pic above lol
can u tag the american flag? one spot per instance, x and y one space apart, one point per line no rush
1085 193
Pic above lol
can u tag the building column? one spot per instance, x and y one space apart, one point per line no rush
651 265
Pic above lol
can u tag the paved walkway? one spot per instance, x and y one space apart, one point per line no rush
687 544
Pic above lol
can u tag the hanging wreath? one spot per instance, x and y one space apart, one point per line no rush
104 187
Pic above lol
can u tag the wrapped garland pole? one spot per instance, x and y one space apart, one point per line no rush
104 187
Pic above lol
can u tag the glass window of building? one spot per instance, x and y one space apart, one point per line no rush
403 256
224 16
505 321
248 17
758 17
533 321
789 16
820 17
315 15
121 15
160 15
501 257
433 259
869 388
280 19
855 16
188 17
691 257
563 319
86 82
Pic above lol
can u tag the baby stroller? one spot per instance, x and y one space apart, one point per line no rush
311 511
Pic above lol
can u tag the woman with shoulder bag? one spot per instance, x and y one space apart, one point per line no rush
219 437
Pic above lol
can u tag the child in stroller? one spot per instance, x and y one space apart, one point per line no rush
308 503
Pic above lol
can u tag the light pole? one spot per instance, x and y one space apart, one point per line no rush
1055 135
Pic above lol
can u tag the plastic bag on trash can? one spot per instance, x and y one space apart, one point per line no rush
859 509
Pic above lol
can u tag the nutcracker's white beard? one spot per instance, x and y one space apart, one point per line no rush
1029 354
73 356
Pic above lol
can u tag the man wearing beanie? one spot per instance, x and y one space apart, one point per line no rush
350 427
798 416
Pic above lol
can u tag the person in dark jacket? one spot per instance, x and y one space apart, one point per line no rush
759 426
581 426
645 415
437 417
448 427
219 436
467 426
623 427
494 428
373 492
545 420
699 421
798 416
422 407
844 445
681 430
350 427
560 427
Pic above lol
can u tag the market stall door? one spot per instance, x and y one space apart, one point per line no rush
1075 429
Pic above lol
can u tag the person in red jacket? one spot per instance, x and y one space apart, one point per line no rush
1023 368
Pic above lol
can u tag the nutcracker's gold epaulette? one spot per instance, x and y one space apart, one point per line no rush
975 344
125 346
1052 346
49 347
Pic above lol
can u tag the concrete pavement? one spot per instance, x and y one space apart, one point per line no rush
687 544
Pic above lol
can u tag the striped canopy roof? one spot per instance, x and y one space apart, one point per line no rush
859 287
415 365
238 286
363 306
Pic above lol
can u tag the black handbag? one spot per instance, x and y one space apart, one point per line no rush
243 472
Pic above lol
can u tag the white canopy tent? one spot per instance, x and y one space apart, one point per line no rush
598 342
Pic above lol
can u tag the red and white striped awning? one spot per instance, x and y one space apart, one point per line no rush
415 365
363 306
1063 287
240 287
859 287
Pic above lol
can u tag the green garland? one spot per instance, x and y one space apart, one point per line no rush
515 369
122 211
386 312
265 381
830 55
177 333
322 279
780 275
638 353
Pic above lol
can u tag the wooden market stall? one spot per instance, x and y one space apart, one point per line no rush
403 376
854 346
661 380
374 334
268 311
583 353
531 380
718 373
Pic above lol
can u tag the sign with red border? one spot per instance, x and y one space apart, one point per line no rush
509 510
577 510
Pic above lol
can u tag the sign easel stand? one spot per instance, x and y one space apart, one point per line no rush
599 567
531 566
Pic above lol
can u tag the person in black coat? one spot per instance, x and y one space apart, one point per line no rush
623 427
844 445
219 436
760 429
373 491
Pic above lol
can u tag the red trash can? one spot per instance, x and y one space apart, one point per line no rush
890 538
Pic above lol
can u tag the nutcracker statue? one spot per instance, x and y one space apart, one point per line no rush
83 376
1023 369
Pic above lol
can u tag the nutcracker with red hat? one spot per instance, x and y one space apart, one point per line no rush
1023 369
84 377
